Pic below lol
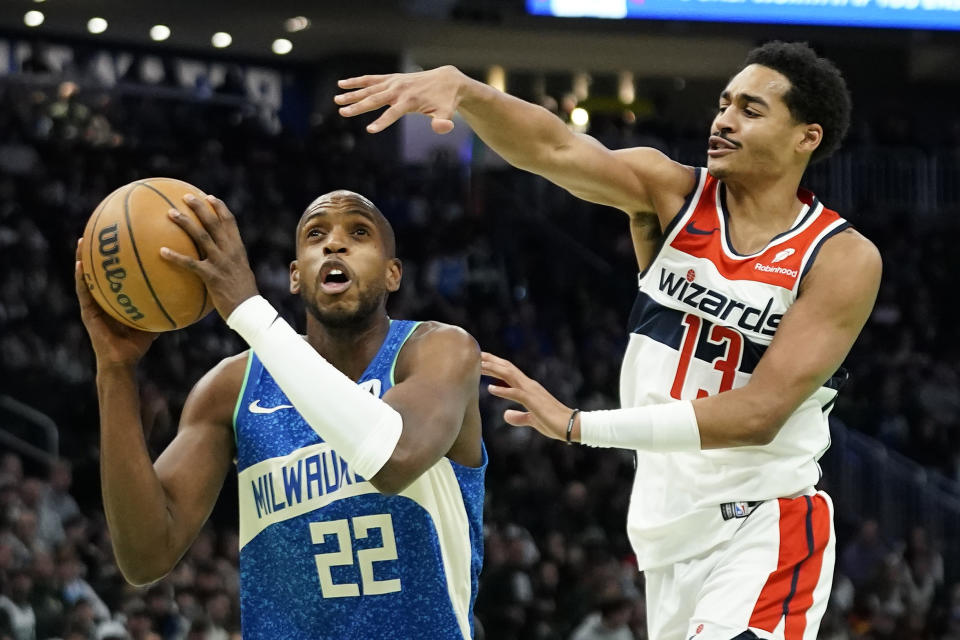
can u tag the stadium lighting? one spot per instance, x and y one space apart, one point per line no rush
497 77
299 23
33 18
159 32
625 88
39 1
221 39
282 46
580 117
96 25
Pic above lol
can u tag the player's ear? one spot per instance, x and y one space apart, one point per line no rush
294 278
812 137
394 274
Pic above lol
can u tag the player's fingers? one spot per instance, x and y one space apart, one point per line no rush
220 208
387 118
205 213
351 97
197 232
359 82
491 365
507 393
441 125
500 373
83 289
518 418
370 103
181 260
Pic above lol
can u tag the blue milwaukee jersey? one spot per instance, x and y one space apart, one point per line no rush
323 554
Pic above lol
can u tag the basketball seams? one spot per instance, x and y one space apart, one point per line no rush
203 299
136 252
93 270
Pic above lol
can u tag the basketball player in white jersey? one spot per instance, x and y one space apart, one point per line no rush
743 318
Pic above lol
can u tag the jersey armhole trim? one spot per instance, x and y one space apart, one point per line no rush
689 204
396 356
840 225
243 390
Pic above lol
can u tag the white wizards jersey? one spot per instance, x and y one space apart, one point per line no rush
703 318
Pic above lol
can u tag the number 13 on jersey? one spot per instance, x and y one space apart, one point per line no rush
727 363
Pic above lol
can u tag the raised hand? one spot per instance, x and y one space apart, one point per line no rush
223 265
543 412
435 93
114 343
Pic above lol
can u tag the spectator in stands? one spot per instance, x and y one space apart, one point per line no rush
17 617
863 559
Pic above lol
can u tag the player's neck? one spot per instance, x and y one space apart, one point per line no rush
349 349
758 212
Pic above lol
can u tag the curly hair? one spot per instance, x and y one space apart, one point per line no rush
818 93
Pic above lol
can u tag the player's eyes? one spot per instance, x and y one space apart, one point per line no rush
361 231
314 233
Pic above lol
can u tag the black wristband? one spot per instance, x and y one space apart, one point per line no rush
573 416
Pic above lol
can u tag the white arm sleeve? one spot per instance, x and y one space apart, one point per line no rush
362 429
662 427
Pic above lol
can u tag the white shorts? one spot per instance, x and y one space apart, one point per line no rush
771 580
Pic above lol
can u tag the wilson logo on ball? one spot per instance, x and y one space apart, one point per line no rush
121 259
109 247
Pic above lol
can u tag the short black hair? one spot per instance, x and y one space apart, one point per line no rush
361 202
818 93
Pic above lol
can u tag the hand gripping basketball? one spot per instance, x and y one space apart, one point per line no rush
435 93
223 265
543 412
114 343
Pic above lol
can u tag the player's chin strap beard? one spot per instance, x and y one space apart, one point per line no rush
364 430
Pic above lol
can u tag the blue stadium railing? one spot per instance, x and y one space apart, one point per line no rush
868 480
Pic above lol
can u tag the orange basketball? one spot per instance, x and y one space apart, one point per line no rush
121 257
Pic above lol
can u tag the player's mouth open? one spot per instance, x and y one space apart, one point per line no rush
719 146
334 278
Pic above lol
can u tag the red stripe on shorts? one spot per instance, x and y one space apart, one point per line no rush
809 571
804 533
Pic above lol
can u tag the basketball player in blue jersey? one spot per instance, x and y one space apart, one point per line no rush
743 317
358 446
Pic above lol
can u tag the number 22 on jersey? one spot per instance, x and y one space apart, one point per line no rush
365 557
727 363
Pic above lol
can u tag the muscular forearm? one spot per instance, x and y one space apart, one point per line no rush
524 134
734 418
134 501
364 430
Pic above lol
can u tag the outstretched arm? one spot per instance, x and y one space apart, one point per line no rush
154 511
640 180
811 342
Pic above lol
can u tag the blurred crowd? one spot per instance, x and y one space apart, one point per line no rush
533 274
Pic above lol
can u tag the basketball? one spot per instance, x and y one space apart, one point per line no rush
121 257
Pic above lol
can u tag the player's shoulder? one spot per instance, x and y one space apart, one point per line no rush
214 397
438 345
226 377
668 182
445 338
847 256
653 163
851 249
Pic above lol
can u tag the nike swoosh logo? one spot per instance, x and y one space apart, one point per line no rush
691 228
256 408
